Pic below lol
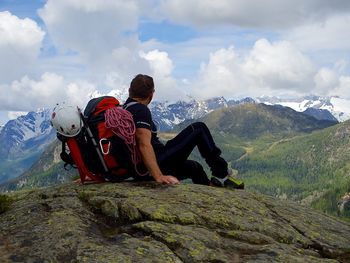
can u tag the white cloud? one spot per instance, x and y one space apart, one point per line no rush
279 66
27 94
325 80
268 68
159 61
250 13
15 114
103 34
221 76
328 34
90 27
20 42
97 40
161 69
343 89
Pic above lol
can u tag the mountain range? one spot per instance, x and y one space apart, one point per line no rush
275 149
23 140
243 128
338 107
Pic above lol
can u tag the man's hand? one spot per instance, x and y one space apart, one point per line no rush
167 179
143 139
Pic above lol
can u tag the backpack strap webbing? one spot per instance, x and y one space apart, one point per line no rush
125 106
84 173
66 158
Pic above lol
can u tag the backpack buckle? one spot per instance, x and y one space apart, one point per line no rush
105 145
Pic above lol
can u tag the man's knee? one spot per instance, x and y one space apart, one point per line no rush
199 125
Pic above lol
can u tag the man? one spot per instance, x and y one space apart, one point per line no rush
169 163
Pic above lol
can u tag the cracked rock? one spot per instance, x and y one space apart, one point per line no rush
147 222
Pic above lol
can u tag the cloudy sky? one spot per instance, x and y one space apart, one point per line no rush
68 50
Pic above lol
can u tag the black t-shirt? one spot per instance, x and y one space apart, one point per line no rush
143 119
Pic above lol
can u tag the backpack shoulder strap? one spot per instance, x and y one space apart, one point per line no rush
125 106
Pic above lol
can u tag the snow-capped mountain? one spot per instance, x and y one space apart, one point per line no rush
22 141
338 107
167 115
25 131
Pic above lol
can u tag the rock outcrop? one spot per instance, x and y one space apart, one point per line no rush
146 222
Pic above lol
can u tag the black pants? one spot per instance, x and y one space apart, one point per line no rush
173 157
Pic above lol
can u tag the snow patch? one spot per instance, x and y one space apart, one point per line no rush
338 107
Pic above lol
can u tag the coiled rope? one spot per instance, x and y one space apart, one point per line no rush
121 122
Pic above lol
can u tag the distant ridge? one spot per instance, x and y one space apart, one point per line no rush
251 121
320 114
338 107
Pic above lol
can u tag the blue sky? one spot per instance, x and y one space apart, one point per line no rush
71 50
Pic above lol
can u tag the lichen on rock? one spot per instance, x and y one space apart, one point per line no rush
147 222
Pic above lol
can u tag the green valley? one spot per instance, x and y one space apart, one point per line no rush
285 154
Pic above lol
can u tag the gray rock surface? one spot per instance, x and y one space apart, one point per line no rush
146 222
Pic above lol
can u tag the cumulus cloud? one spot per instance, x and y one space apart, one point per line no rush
279 66
221 76
89 26
343 88
103 34
249 13
20 42
268 68
325 81
161 69
27 94
326 35
98 41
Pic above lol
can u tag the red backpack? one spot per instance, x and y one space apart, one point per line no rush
105 149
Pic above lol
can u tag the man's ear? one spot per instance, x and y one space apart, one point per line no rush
150 98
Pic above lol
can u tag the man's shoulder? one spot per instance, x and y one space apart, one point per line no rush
141 114
135 107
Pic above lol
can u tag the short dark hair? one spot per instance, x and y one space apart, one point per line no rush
141 87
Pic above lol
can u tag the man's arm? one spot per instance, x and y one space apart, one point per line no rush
143 140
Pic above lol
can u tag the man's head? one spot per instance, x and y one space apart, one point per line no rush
141 87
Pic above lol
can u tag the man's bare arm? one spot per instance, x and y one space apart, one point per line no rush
143 140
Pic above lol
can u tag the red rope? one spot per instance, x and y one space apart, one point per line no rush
121 123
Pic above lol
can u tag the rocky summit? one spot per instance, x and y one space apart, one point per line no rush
147 222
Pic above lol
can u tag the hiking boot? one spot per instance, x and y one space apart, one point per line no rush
234 183
229 181
214 181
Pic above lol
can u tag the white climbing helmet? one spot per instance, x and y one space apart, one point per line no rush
66 120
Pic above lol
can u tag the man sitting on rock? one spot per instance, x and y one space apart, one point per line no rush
168 163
